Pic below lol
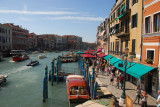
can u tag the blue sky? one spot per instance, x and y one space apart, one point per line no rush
62 17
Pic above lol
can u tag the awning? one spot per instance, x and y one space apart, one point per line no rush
113 60
102 33
108 57
134 69
79 52
101 55
88 52
139 70
88 56
119 16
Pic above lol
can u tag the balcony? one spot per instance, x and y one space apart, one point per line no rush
122 31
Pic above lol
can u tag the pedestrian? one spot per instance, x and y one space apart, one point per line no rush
114 70
138 94
144 99
111 79
103 67
107 71
117 82
158 99
121 80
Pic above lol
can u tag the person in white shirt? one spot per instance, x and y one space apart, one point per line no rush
158 99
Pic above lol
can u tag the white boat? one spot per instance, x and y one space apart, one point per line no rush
3 79
42 56
35 52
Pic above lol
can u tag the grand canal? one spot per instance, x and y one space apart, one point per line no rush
25 84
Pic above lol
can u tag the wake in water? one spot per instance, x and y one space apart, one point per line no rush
22 68
11 61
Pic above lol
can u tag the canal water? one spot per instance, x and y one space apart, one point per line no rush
24 86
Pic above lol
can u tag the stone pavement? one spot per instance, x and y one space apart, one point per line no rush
104 83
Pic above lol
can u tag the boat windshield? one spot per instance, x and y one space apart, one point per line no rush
78 90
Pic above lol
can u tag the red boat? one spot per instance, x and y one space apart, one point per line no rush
76 89
19 55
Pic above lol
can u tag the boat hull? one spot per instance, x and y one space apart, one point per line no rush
19 58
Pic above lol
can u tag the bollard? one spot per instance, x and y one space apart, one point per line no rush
44 90
92 81
46 80
57 69
52 73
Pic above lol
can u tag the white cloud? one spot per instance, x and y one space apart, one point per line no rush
77 18
24 19
37 12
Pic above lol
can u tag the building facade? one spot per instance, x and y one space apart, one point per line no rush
32 41
5 38
19 37
151 44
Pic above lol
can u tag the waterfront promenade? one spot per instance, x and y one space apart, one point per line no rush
104 83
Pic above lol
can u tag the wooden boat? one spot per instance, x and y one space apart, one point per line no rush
76 89
42 56
33 63
3 79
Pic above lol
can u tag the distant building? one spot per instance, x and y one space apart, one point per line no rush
19 36
103 36
32 41
49 41
5 38
89 46
73 42
58 41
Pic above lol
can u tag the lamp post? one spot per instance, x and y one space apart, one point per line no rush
123 96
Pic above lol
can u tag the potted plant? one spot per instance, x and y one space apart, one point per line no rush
149 61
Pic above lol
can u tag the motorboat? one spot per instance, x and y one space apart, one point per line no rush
76 89
3 79
19 55
42 56
33 63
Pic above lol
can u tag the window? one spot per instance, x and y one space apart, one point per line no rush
147 24
113 46
156 22
134 20
133 45
113 15
134 1
126 44
150 54
122 8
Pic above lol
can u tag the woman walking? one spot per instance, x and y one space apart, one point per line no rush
144 99
117 82
112 79
138 94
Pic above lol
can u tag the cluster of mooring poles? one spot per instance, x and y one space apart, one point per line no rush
89 78
53 74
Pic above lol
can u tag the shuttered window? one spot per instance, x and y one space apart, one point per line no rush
126 44
134 20
133 45
134 1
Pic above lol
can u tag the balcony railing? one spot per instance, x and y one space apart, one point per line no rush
122 31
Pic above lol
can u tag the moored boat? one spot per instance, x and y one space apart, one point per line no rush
76 89
33 63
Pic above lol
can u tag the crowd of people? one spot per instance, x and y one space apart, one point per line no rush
102 67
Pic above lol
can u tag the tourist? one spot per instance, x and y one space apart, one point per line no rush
107 70
144 99
114 70
138 94
103 67
158 99
117 82
111 79
121 80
